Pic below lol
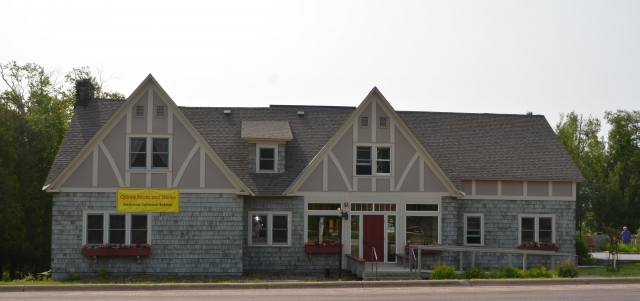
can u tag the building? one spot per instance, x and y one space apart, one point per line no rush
255 184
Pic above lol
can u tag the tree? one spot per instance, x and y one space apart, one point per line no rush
35 111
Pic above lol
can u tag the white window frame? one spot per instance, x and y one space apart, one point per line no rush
105 226
149 153
308 212
374 159
275 159
269 215
406 214
537 225
481 216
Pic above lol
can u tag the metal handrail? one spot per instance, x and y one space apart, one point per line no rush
412 260
374 257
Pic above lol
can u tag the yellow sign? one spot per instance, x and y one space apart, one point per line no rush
148 200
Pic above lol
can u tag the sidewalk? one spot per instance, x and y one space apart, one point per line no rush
312 285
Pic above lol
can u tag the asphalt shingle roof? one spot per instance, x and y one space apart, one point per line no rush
465 146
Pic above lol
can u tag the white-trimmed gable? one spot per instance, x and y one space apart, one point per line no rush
374 125
148 114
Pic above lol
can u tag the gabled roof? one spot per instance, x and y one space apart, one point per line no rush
310 133
85 123
465 146
492 146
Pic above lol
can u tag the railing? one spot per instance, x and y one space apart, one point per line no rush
412 261
473 251
374 257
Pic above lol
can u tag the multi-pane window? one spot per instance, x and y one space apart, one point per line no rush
365 165
267 159
422 207
383 161
116 228
323 206
537 228
270 228
473 229
372 207
363 160
160 153
138 153
139 147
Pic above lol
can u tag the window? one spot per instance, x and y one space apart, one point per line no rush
160 153
140 146
323 228
422 223
474 229
383 123
364 121
267 158
160 111
373 207
116 228
383 161
270 228
139 111
364 162
323 206
537 228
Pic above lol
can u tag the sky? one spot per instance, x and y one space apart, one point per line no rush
547 57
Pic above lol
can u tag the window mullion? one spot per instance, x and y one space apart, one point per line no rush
269 229
536 224
105 228
149 152
127 229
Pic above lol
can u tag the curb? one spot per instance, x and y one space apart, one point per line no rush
314 285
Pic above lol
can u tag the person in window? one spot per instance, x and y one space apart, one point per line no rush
626 236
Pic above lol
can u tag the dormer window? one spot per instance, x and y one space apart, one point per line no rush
267 158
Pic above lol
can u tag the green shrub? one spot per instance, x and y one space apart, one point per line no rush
71 276
538 271
441 271
507 272
605 246
475 273
102 274
582 250
566 269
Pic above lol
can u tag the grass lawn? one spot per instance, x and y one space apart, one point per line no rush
626 270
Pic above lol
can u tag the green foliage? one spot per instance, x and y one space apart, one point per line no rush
475 273
507 272
71 276
622 248
441 271
102 274
35 111
538 271
582 250
566 269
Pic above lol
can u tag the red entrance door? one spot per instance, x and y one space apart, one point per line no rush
373 236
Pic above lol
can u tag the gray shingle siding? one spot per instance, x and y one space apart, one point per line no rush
201 239
282 258
501 229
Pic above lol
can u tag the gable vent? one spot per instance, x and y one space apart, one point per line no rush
139 111
227 112
364 121
160 111
383 122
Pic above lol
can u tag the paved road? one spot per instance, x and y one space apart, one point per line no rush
609 292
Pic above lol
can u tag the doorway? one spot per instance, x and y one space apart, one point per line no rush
373 237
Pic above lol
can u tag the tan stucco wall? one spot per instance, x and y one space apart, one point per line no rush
82 176
214 178
313 181
159 180
364 184
106 176
364 133
139 124
343 151
412 181
404 152
383 185
138 180
335 181
537 188
513 188
485 187
159 125
191 176
431 182
562 189
116 143
382 134
182 144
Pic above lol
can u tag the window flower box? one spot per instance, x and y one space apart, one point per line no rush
321 247
551 249
116 250
538 246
